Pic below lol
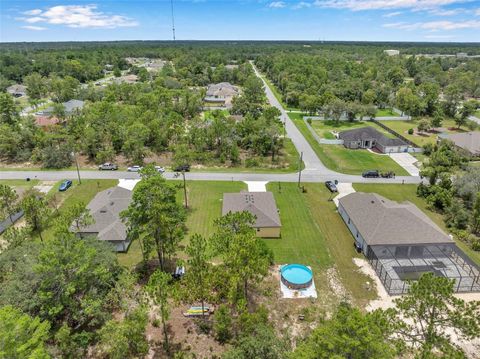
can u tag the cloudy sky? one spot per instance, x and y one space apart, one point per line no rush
360 20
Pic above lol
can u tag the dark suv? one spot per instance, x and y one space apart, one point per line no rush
371 174
182 168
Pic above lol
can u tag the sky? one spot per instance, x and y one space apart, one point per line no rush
329 20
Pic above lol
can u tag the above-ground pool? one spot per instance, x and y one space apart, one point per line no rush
296 276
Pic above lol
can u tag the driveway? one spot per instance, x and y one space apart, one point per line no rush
407 161
343 190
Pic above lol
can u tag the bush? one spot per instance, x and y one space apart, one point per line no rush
57 156
252 162
410 131
309 121
222 324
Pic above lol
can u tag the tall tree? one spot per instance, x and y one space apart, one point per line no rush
36 212
8 201
241 250
199 269
21 336
155 217
430 311
159 292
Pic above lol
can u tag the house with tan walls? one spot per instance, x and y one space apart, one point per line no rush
262 205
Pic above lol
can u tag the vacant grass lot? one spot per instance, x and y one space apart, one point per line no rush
341 159
19 183
288 162
399 193
402 128
324 128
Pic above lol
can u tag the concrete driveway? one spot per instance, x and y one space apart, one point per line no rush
407 161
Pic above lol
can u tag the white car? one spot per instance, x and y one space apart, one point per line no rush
134 168
160 169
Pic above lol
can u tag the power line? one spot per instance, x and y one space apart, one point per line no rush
173 21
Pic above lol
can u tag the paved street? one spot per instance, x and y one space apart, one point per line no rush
315 170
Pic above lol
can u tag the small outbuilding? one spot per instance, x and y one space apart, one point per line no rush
262 205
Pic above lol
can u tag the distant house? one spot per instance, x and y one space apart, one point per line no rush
262 205
468 141
70 107
402 243
369 138
221 94
127 79
392 52
105 209
17 90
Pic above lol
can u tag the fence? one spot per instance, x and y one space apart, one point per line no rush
395 133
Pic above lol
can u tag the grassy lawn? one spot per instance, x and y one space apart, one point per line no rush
314 234
402 128
324 128
385 112
477 114
341 159
398 192
20 183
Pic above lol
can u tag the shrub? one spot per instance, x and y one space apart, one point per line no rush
222 324
410 131
251 162
56 156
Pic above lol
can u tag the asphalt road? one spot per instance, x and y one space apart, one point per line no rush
315 170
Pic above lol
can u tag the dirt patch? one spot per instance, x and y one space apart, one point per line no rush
336 285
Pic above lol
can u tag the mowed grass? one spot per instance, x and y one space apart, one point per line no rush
402 128
400 193
341 159
324 128
19 183
314 234
385 112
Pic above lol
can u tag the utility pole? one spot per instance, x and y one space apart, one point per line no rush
76 164
185 189
173 20
300 168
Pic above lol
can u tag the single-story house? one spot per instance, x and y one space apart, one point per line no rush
401 243
105 209
369 138
467 141
262 205
221 94
17 90
70 107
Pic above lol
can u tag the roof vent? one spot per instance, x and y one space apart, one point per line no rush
373 201
112 203
103 210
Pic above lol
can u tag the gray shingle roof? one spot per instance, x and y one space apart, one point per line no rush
105 209
222 89
469 141
260 204
369 133
381 221
73 105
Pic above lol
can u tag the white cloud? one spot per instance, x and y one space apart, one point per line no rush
392 14
34 28
477 12
435 25
443 12
357 5
277 5
301 5
78 16
33 12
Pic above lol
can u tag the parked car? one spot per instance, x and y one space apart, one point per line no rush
107 166
134 168
331 186
371 174
65 185
160 169
182 168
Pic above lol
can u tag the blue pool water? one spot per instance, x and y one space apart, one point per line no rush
296 273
